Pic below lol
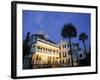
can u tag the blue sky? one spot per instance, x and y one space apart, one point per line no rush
51 23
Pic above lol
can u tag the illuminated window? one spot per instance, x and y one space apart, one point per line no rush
66 60
50 58
60 61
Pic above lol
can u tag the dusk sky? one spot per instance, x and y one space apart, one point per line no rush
51 23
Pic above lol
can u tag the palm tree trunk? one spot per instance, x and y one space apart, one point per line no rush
71 51
85 48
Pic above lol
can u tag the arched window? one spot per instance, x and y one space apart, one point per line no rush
33 46
65 54
38 47
37 57
53 50
63 61
59 47
60 54
41 48
44 48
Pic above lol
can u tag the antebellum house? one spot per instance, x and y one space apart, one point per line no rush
45 51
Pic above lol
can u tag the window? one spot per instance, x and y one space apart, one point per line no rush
50 50
60 54
44 48
33 46
80 55
69 52
41 48
65 45
37 57
53 59
59 47
35 38
63 61
65 54
38 47
53 50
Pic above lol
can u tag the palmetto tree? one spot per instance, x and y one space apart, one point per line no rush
82 37
69 31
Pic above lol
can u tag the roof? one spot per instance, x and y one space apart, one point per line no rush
43 37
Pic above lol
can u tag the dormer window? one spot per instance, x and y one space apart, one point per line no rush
35 38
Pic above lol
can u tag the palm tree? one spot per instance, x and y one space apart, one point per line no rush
69 31
83 36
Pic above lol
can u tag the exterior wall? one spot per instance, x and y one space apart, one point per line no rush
44 53
63 53
81 55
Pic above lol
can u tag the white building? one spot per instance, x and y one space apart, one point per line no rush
45 51
64 56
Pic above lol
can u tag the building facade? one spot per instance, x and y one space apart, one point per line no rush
64 56
45 51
